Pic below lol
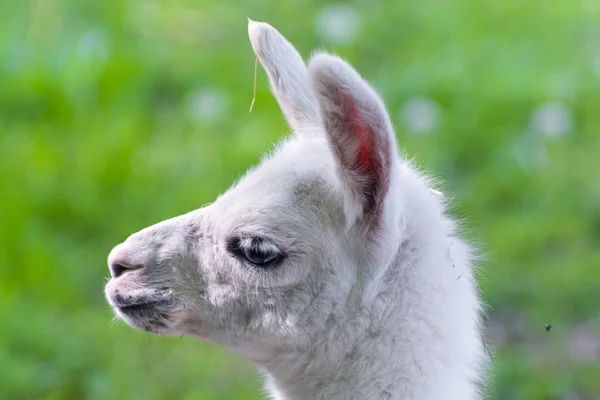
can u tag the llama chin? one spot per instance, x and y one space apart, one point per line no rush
332 265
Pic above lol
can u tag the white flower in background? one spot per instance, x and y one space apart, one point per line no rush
93 46
420 115
82 66
584 344
206 105
572 394
337 24
551 120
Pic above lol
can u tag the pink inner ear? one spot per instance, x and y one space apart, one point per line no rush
366 160
372 159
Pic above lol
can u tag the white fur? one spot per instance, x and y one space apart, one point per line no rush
375 296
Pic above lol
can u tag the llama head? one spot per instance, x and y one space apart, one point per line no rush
260 270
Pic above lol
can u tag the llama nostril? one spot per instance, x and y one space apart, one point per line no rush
119 267
117 270
121 261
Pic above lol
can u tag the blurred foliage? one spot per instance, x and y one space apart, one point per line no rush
117 114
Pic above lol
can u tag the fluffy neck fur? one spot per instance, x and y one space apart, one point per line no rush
412 333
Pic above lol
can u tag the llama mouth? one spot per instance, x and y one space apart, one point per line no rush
138 306
145 306
151 316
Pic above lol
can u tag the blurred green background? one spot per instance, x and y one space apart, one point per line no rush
117 114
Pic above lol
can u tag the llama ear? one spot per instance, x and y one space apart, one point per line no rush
359 132
287 75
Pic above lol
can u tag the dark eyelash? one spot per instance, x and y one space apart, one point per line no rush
233 244
253 249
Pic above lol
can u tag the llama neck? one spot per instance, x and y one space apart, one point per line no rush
418 338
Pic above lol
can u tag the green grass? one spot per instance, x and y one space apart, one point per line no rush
99 137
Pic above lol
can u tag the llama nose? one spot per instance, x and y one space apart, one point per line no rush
122 259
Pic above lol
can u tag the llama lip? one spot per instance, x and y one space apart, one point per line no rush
138 306
150 316
141 305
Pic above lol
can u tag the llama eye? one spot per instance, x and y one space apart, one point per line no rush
255 250
259 256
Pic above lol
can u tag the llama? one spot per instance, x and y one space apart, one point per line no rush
332 265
